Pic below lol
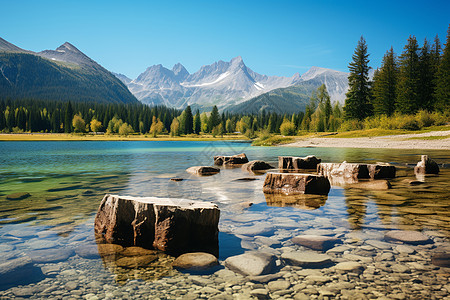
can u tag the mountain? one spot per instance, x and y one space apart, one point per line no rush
231 84
222 83
62 74
295 98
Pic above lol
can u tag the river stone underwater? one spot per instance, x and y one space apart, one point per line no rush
53 225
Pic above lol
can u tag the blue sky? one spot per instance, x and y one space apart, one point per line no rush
273 37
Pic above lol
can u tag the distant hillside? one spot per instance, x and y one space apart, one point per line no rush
64 74
282 101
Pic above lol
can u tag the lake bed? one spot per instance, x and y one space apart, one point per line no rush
67 180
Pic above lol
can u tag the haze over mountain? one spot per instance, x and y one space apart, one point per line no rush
225 84
62 74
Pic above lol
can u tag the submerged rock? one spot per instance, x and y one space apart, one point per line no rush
409 237
296 183
18 196
175 226
196 261
426 166
132 262
306 259
441 260
203 170
296 163
238 159
380 184
16 270
50 255
251 263
316 242
256 165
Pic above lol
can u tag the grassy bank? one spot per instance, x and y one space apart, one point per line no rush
103 137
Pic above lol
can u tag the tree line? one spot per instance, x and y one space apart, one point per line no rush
417 80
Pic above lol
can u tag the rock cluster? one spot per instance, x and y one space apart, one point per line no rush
353 171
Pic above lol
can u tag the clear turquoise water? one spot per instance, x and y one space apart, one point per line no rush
67 181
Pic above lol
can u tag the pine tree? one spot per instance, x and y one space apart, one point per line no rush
68 118
426 77
442 93
214 119
357 103
385 85
188 121
197 122
409 78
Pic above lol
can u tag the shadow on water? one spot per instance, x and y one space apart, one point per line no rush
230 245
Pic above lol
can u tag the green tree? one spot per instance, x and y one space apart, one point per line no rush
409 78
175 127
385 85
229 126
442 93
426 77
96 125
357 103
287 127
214 119
68 118
157 127
197 123
78 123
204 120
188 121
125 129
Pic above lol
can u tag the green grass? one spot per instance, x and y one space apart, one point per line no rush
435 137
273 141
383 132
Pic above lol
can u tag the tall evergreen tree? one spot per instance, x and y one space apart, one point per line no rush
214 119
197 122
357 103
188 121
409 78
385 85
442 93
426 77
68 118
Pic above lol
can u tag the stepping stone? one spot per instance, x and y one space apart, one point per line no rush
409 237
306 259
349 266
441 260
316 242
251 263
195 261
203 170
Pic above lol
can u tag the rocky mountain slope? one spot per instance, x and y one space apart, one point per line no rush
62 74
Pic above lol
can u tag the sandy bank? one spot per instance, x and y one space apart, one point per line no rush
403 141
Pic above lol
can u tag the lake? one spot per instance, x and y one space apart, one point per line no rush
67 180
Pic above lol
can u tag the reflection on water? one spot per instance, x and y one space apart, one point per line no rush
297 201
67 180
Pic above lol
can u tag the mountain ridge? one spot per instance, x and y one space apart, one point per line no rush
65 74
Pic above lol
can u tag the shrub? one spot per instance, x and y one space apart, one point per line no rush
352 124
424 118
287 128
408 122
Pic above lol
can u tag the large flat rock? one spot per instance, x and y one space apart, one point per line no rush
306 259
316 242
298 163
408 237
175 226
296 183
251 263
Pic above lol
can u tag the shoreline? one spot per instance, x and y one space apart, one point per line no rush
434 140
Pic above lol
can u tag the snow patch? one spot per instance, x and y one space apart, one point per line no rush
220 78
259 86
